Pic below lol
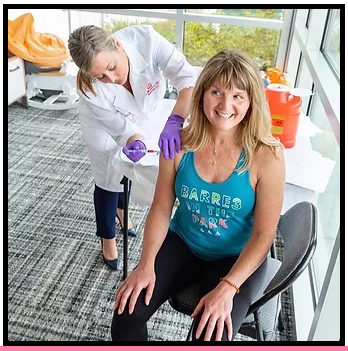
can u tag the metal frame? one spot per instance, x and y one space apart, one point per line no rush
324 42
183 16
310 37
285 39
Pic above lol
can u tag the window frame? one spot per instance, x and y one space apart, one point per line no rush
309 36
325 42
180 16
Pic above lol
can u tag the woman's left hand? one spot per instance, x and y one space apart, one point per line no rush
217 306
170 140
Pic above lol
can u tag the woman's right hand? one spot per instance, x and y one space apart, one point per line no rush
135 150
143 277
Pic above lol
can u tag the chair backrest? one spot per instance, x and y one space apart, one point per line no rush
298 228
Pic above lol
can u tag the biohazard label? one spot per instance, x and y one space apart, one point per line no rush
277 124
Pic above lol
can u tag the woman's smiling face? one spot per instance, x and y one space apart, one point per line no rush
223 107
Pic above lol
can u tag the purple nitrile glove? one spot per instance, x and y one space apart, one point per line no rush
135 150
170 140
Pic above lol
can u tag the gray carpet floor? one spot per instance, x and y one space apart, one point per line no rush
59 289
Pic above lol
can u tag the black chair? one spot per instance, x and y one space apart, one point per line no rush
298 229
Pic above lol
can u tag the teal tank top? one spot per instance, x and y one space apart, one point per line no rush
214 219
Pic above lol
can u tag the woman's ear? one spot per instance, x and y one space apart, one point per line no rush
118 43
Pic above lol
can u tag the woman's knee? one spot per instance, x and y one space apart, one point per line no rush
137 319
125 319
128 327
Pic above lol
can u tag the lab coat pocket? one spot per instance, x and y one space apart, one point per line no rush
111 145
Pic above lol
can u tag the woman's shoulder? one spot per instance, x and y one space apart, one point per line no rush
269 152
269 158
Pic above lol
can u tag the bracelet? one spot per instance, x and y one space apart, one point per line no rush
232 284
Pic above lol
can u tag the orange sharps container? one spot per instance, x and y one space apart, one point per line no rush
285 113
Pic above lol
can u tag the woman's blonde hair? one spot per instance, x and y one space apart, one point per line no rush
84 44
232 69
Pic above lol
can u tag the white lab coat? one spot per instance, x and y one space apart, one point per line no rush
109 119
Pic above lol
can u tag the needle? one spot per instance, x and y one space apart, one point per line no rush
148 151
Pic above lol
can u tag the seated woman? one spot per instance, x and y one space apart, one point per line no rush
229 180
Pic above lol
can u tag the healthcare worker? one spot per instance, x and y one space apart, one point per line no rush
121 80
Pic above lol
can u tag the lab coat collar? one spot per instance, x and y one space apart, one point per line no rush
137 77
137 61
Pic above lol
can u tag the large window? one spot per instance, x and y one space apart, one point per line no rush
331 45
258 13
157 10
201 33
303 80
113 23
316 67
329 201
203 40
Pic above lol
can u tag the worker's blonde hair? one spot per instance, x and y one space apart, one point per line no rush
84 44
232 69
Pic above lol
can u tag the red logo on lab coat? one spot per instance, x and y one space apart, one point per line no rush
151 87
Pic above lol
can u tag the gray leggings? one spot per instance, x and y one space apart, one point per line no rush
176 266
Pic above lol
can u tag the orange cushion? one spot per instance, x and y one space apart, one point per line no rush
42 49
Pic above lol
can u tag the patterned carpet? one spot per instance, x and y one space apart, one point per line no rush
59 289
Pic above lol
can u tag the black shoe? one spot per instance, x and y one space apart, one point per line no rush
111 263
131 231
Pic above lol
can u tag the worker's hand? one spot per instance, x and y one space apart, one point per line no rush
135 150
169 140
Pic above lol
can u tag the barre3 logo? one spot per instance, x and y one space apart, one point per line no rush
211 211
213 198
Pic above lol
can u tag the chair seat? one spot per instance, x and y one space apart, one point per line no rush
187 299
